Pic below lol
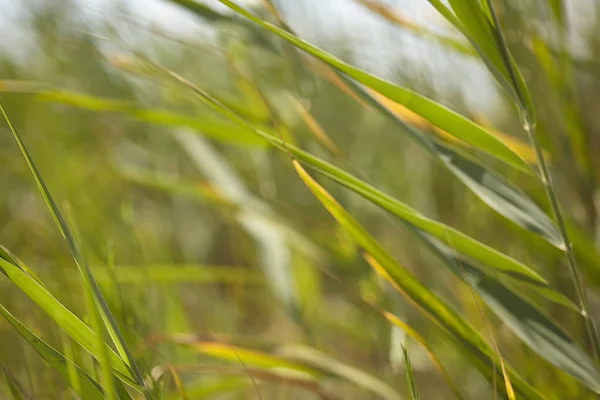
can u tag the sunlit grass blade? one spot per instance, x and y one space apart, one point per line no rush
297 358
414 291
499 194
521 148
437 114
88 279
88 389
410 379
64 318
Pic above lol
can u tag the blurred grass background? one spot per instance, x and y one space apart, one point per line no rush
212 234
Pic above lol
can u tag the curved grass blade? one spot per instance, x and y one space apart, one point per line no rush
65 319
406 283
525 320
464 243
495 191
88 279
437 114
410 379
519 147
88 389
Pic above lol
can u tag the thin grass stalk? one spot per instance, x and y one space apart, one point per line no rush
527 114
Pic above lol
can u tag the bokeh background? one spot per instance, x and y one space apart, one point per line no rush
191 229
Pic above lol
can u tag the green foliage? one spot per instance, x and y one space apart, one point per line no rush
193 184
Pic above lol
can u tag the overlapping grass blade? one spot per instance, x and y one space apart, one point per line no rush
88 279
529 323
64 318
437 114
499 194
406 283
88 389
462 242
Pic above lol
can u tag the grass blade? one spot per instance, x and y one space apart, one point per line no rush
88 278
491 188
405 282
410 380
16 390
393 319
65 319
524 319
88 389
298 358
214 128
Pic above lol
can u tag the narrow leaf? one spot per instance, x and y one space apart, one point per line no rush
405 282
88 388
64 318
410 379
88 278
506 199
530 324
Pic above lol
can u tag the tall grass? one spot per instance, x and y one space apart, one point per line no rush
237 161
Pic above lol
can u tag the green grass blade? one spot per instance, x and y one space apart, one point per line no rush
64 318
499 194
469 245
530 324
390 14
407 284
478 26
410 379
88 389
88 278
15 389
209 126
502 196
444 118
